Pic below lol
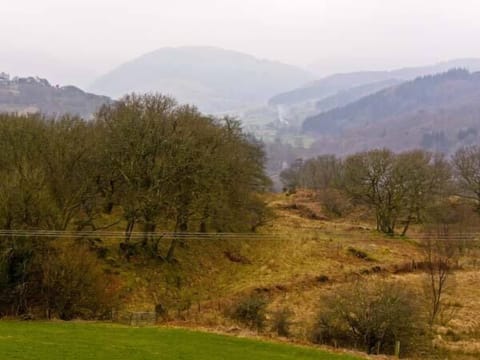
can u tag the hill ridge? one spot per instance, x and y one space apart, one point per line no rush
214 79
37 95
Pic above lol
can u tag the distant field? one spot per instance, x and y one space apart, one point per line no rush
78 341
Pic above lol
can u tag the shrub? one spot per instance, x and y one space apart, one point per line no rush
359 253
281 322
64 281
335 202
74 284
18 278
322 278
251 311
371 318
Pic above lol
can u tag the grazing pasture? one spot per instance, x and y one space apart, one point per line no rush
79 341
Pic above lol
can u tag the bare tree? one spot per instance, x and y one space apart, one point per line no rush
467 168
398 187
425 179
440 256
370 179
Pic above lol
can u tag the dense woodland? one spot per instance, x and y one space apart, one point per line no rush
438 113
453 89
144 163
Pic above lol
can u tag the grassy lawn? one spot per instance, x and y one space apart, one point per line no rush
65 341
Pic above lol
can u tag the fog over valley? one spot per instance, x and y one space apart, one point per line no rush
241 179
324 36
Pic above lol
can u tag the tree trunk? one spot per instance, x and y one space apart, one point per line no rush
203 222
407 225
182 226
128 230
150 243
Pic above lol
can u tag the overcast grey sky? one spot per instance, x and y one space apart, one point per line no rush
71 41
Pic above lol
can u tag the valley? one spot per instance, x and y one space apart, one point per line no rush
329 218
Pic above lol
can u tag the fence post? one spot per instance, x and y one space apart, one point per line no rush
397 349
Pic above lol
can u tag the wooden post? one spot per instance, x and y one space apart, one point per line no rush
397 349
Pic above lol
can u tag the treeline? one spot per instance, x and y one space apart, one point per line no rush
143 163
401 189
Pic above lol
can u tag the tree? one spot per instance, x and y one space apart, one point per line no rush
370 178
321 173
136 133
466 162
440 255
46 170
156 163
290 177
172 165
44 184
399 187
67 160
23 200
425 180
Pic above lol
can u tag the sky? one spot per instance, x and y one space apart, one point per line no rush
73 41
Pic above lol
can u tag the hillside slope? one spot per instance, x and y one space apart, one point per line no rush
213 79
353 94
438 112
305 255
332 84
31 95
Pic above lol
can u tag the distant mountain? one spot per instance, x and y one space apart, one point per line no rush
32 95
330 85
214 79
437 112
350 95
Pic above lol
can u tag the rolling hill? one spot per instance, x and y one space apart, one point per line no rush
214 79
330 85
350 95
32 95
438 112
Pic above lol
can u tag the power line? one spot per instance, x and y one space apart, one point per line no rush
319 235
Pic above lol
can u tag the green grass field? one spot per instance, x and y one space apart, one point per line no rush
65 341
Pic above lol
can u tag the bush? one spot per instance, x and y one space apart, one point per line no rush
359 253
74 284
251 311
371 318
63 281
335 202
18 278
281 322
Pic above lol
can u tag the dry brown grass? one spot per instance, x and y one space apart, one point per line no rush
310 255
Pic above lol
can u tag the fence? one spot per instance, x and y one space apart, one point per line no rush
134 318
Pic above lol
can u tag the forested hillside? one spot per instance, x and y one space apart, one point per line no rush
351 95
32 95
331 84
437 112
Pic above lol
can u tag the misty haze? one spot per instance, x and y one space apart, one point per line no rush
239 179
